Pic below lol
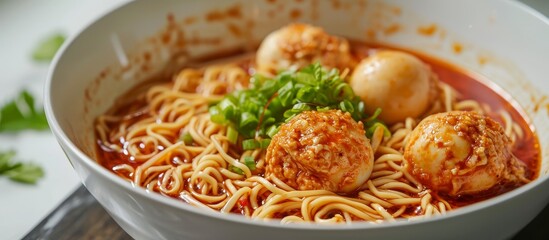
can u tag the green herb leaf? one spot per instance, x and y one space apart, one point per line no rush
18 171
5 158
45 51
26 173
21 114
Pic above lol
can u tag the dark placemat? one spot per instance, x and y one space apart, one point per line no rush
80 216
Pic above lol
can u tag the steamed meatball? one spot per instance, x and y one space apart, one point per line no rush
397 82
298 45
461 153
321 150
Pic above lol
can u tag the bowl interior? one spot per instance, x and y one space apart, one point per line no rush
503 41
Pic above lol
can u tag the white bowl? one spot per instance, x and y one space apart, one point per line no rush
504 41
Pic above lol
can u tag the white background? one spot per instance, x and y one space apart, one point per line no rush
23 23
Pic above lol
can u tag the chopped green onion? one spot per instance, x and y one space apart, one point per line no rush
322 99
235 169
187 138
346 106
248 121
306 94
232 135
344 91
258 112
227 107
216 115
250 144
264 143
286 98
374 116
362 108
305 78
371 129
272 130
323 109
269 121
250 162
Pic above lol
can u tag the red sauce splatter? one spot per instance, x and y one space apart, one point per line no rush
234 11
392 29
214 16
234 29
147 56
428 30
295 14
457 47
336 4
189 20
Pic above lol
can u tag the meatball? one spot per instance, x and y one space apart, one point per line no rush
321 150
397 82
298 45
461 153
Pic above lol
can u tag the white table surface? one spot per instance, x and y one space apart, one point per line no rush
22 24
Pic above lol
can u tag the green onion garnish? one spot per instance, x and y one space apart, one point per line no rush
187 138
371 129
250 162
264 143
234 169
258 112
250 144
232 135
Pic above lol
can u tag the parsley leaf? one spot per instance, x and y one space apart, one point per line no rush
21 114
18 171
45 51
5 158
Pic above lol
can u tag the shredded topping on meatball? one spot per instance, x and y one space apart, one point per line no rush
321 150
462 153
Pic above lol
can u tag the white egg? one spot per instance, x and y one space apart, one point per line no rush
397 82
461 153
298 45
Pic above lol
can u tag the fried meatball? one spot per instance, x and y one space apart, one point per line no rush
321 150
461 153
298 45
397 82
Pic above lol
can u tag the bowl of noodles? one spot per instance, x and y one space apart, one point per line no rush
309 119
